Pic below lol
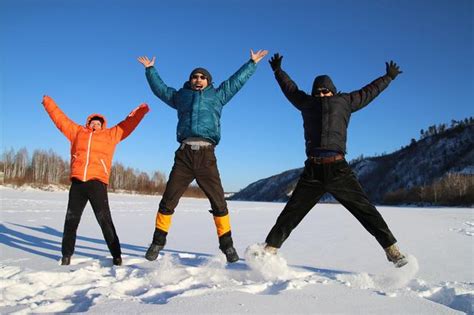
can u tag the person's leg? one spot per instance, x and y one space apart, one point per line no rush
307 193
208 179
97 193
76 204
180 177
345 187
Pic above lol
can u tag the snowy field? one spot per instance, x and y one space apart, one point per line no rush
330 264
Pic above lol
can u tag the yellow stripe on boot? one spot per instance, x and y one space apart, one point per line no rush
222 224
163 221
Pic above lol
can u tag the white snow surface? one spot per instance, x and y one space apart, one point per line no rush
328 265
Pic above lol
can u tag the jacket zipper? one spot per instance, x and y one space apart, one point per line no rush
105 168
87 158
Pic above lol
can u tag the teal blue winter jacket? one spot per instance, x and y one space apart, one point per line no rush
199 112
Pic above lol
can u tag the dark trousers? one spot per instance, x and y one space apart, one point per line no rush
189 165
95 192
338 179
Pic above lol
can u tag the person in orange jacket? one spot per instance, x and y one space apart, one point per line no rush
92 150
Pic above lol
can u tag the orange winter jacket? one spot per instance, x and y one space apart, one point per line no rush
92 151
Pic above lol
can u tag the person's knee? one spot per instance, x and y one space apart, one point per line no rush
163 209
219 212
73 215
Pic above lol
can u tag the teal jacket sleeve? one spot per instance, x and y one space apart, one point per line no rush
159 88
231 86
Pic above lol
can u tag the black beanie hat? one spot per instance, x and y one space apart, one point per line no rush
203 71
323 82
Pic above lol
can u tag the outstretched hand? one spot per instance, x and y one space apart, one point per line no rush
392 69
256 57
275 62
146 62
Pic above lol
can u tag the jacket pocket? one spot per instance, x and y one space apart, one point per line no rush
104 166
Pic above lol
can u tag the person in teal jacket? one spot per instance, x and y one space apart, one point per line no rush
199 105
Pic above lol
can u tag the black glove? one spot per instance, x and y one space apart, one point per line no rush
392 69
275 62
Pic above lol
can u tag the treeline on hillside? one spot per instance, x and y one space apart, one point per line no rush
430 131
47 167
437 129
451 190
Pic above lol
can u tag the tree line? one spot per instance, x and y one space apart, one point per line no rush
438 129
451 190
45 167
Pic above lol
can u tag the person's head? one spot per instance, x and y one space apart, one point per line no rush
323 86
96 123
199 79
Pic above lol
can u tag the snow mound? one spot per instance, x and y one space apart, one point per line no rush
392 279
266 266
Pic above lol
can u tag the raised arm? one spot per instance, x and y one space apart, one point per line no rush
159 88
62 122
231 86
296 97
123 129
361 98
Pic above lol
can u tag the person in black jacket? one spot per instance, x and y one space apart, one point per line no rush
326 113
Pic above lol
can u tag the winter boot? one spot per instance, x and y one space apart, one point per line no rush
153 251
117 261
394 256
270 249
66 260
230 254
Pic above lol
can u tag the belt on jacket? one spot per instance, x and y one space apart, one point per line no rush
326 160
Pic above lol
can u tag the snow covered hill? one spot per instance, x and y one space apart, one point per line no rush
329 265
420 163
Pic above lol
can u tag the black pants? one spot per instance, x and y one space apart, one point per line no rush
189 165
338 179
95 192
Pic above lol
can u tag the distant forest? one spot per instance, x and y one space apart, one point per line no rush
48 168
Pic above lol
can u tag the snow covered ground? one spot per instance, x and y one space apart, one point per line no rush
328 265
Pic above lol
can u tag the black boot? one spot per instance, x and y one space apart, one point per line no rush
117 261
226 245
153 251
231 254
66 260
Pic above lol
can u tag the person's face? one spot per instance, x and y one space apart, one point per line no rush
323 93
95 124
199 81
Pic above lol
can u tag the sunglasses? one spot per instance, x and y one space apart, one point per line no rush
324 91
197 76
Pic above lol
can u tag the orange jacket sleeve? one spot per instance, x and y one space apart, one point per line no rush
123 129
64 124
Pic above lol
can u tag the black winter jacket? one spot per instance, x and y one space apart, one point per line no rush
325 119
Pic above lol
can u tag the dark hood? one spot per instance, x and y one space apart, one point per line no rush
323 81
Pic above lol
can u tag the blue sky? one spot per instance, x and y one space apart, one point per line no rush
83 54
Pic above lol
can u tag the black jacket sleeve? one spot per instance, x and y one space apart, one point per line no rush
361 98
297 97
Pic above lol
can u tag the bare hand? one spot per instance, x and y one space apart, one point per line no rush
256 57
146 62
